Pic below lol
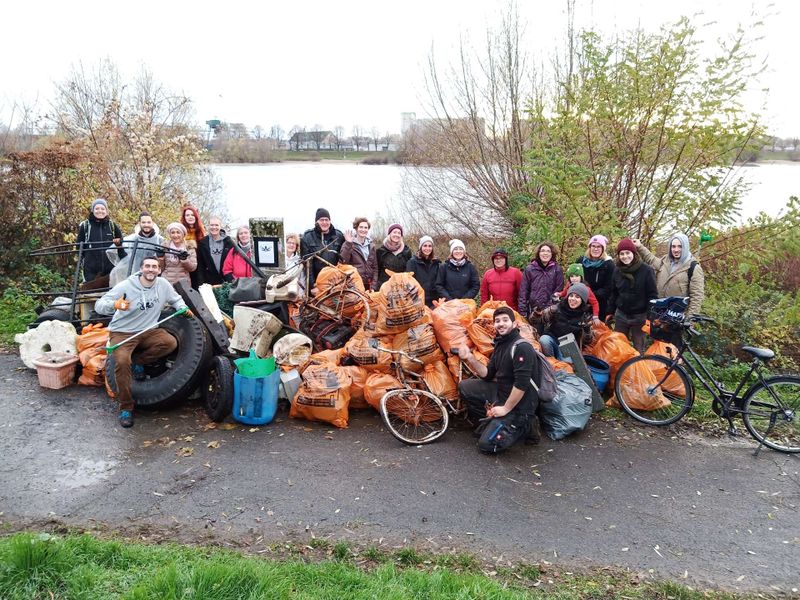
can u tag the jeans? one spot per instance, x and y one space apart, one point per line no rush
550 347
498 434
631 327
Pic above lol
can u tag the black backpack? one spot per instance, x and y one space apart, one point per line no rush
546 389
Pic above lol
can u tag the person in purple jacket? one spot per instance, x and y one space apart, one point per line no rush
542 278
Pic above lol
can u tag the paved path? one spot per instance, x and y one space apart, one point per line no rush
699 510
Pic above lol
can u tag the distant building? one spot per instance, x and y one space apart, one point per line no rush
313 140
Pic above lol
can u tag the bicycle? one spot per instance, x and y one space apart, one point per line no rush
770 407
413 414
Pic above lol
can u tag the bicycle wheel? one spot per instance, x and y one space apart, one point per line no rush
414 416
341 304
771 413
649 395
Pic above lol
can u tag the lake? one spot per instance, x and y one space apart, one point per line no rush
294 190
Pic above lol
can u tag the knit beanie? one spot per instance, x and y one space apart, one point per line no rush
394 226
99 201
626 244
503 310
457 244
423 240
575 269
500 252
178 226
581 290
599 239
322 212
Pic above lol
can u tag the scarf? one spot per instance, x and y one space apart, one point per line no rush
245 248
541 264
628 270
392 247
458 263
588 262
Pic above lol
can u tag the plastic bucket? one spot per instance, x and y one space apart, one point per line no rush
56 370
255 399
599 370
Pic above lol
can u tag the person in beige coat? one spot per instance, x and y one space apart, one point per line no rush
673 272
178 267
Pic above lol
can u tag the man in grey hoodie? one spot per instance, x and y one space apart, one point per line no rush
146 234
136 304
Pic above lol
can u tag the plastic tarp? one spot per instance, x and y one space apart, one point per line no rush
570 410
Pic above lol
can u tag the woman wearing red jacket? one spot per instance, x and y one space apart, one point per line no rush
501 282
235 266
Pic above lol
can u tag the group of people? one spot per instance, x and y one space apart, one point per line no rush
556 301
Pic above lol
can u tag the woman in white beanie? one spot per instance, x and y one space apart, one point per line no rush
98 232
425 267
458 277
179 267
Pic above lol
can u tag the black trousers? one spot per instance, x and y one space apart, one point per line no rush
498 434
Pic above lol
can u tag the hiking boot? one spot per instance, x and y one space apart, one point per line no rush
126 418
138 372
534 436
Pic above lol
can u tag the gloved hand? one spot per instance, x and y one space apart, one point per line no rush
188 314
117 242
183 255
159 254
122 303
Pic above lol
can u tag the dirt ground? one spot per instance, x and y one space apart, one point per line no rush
672 504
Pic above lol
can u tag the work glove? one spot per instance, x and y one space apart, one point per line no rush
188 314
122 303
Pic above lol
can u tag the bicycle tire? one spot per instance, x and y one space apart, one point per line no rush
349 305
414 416
758 409
636 390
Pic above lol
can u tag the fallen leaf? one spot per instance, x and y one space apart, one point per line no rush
228 426
185 451
214 444
254 429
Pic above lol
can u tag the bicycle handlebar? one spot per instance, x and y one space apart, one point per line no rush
701 319
373 343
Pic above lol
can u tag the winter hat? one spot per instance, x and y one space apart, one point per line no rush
686 254
503 310
575 269
178 226
626 244
322 212
457 244
425 239
581 290
500 252
599 239
99 201
394 226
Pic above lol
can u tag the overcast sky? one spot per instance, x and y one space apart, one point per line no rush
331 63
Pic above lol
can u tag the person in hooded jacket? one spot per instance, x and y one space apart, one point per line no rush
677 273
634 287
392 255
359 251
501 282
458 277
598 272
541 279
235 266
179 265
314 240
99 232
425 267
573 314
212 251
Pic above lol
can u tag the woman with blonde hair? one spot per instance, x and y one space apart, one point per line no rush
179 265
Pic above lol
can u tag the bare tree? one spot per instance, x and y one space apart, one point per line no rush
358 136
317 136
295 133
468 158
276 133
258 132
338 133
376 137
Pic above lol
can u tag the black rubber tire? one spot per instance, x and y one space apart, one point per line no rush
185 366
759 406
679 404
217 388
50 314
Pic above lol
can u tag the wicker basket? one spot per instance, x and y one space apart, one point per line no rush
56 370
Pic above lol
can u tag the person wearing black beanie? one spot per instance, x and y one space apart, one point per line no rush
324 240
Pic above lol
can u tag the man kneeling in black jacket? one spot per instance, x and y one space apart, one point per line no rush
504 393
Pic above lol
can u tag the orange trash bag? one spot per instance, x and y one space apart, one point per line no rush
634 384
614 348
335 280
377 385
560 365
92 336
324 357
324 396
481 332
364 355
440 381
401 303
455 366
359 379
450 321
94 367
420 342
673 383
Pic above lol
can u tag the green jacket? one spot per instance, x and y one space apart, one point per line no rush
677 282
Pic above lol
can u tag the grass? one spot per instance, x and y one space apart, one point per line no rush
81 566
16 311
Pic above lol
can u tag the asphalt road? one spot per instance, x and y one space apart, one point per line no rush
701 510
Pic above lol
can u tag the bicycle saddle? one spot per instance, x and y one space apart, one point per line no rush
760 353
